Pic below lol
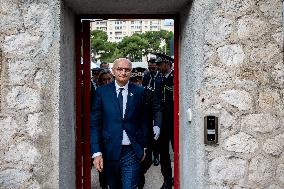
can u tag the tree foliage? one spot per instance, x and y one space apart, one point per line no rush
116 54
100 46
98 39
133 47
155 38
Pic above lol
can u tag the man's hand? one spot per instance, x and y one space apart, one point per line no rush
156 131
98 163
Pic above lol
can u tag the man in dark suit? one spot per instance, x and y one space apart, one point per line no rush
119 128
164 63
152 80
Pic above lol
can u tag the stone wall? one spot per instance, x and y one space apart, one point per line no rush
67 161
239 77
29 112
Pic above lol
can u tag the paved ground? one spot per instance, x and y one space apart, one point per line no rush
154 179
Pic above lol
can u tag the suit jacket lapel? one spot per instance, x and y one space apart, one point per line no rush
130 98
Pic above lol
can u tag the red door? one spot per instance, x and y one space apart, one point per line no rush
83 158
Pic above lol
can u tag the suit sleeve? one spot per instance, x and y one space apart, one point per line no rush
96 123
156 109
145 120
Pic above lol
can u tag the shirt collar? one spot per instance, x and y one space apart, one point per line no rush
117 87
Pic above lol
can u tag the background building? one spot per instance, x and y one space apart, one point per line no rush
118 28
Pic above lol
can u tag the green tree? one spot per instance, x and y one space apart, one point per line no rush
155 38
133 47
168 37
100 46
116 54
98 39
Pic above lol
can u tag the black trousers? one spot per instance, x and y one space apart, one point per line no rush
166 138
147 162
144 166
156 148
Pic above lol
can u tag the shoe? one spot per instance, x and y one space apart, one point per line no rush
156 161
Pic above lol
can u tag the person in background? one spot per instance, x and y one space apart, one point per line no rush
105 77
104 65
154 116
167 131
94 82
94 79
119 128
152 80
137 75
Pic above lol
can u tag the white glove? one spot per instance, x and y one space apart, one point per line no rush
156 131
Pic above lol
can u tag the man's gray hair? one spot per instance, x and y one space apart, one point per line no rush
122 60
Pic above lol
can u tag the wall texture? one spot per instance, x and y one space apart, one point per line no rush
191 62
233 53
67 162
30 76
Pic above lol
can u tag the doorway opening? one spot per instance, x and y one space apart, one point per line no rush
83 85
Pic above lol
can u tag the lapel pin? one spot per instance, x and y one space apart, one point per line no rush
131 94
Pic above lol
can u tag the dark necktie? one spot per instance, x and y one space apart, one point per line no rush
120 100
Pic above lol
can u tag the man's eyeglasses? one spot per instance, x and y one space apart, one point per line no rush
126 70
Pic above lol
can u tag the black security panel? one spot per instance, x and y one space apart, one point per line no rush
210 130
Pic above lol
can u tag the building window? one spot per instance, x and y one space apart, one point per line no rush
118 33
118 27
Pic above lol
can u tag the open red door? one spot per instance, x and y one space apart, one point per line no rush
83 159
